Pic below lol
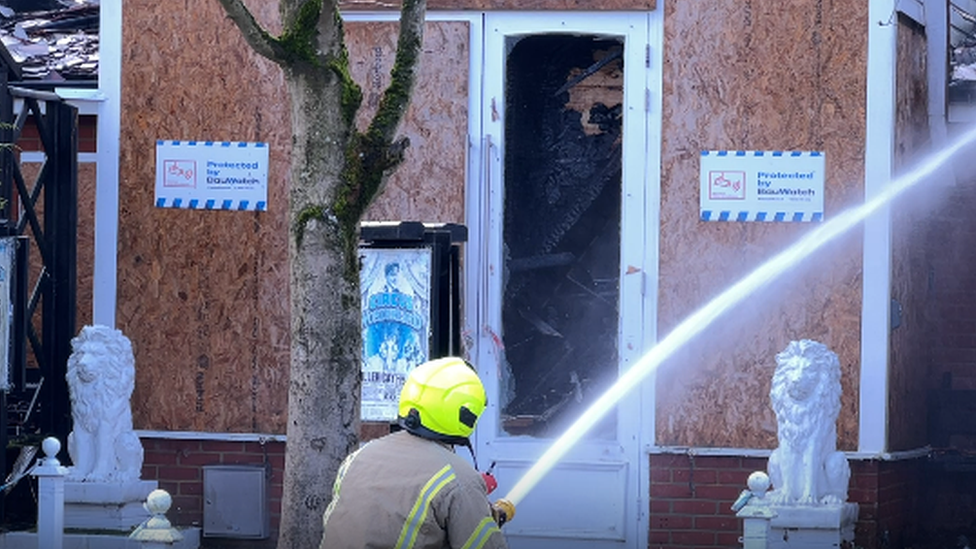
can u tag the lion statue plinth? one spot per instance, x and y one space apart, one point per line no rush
806 468
101 377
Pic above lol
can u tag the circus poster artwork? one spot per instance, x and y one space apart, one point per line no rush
395 292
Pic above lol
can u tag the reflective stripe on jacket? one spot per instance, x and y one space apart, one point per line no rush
406 492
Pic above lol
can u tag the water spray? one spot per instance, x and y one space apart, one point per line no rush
707 314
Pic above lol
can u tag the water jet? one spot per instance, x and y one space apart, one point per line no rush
695 323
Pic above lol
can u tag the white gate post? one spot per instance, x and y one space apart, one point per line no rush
157 532
755 513
50 496
755 527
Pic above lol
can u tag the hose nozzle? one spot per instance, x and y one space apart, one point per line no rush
503 510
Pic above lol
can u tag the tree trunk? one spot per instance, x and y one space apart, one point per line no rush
336 173
324 385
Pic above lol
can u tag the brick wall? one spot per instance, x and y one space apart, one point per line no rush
889 496
691 498
178 467
951 315
948 509
30 141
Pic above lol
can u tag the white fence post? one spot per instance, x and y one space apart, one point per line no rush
755 513
50 496
157 532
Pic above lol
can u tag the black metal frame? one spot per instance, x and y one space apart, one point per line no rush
43 214
445 295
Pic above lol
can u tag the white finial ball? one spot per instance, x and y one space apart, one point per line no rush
158 502
51 446
758 483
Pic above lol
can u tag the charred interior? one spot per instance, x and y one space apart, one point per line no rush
561 229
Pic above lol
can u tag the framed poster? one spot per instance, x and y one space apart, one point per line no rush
396 296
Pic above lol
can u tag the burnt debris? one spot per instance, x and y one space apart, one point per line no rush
52 41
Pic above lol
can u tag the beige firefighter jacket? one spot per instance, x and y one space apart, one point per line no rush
405 492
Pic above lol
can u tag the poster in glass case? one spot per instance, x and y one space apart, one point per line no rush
395 292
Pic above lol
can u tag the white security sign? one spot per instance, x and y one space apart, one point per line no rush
762 186
212 175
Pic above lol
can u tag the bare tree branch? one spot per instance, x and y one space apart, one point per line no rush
377 151
396 97
256 37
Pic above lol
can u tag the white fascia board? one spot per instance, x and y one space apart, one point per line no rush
104 283
876 281
36 157
915 453
915 10
83 99
86 100
261 438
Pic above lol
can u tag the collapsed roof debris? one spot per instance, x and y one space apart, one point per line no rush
962 48
964 63
55 43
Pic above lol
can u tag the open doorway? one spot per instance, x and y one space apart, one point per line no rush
561 229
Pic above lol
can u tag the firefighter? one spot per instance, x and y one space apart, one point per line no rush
409 489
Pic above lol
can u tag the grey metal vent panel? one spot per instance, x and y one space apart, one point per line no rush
235 501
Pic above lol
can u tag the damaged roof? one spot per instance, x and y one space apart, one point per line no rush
53 41
962 47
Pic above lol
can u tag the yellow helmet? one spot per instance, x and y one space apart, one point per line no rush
442 400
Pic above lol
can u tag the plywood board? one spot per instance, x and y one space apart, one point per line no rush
204 294
429 185
85 241
756 75
86 244
910 267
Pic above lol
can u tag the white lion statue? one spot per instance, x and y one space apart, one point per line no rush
806 468
101 377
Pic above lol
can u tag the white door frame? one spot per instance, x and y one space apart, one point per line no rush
639 244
